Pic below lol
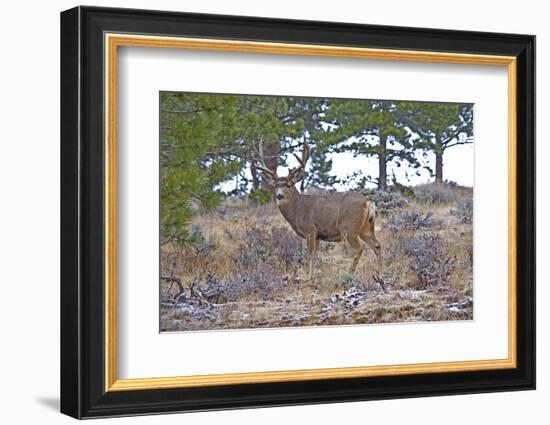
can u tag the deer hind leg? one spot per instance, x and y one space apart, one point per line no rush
357 248
371 241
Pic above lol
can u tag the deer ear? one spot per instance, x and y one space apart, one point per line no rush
297 175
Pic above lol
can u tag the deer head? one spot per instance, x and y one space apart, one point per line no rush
284 186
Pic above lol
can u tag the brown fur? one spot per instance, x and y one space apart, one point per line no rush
331 217
336 217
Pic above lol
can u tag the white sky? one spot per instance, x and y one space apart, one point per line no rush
458 166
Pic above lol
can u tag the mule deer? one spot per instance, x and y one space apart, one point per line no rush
332 217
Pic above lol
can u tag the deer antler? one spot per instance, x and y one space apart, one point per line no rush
303 160
259 158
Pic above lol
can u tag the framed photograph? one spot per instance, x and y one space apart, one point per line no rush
261 212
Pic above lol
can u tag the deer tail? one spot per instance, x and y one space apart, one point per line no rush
371 214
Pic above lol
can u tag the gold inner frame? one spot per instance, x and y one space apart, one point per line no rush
113 41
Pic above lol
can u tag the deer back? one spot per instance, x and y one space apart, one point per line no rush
332 216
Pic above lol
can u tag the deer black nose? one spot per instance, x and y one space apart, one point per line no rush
280 196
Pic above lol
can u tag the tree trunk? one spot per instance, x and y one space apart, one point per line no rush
255 178
438 161
271 160
382 172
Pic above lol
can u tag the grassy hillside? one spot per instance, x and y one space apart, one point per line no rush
246 270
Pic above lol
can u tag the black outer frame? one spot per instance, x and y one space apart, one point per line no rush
82 214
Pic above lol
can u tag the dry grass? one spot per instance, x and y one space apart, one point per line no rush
245 272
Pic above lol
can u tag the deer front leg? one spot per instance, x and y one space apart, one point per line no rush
376 247
312 245
374 244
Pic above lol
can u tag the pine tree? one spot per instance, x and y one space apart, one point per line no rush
439 126
208 139
371 128
286 122
199 150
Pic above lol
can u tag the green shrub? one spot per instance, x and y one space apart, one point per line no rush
260 196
